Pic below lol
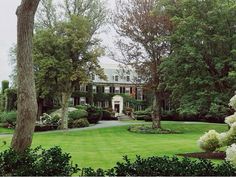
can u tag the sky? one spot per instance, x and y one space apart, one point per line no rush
8 35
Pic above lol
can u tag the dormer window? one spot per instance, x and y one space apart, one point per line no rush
128 78
116 78
93 77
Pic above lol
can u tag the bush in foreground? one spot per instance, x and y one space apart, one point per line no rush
36 162
164 166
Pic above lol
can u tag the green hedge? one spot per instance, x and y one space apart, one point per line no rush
80 123
78 114
36 162
164 166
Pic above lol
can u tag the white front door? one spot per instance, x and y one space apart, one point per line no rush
118 104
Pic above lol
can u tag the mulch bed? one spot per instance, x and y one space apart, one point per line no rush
206 155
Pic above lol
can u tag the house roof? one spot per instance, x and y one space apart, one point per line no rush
114 70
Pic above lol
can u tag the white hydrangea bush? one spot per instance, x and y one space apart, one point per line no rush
210 141
231 135
232 102
231 154
223 138
230 119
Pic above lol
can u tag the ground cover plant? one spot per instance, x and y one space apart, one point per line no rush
147 129
102 148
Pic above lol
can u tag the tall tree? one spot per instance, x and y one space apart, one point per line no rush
26 104
72 51
198 72
144 31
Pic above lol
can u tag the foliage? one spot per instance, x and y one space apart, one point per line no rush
94 114
47 119
81 107
11 97
58 111
107 115
143 115
143 42
36 162
5 85
72 48
164 166
230 119
209 141
231 154
79 123
198 73
147 129
78 114
8 117
232 102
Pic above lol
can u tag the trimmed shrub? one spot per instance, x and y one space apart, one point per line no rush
46 119
8 117
164 166
80 123
37 162
81 107
107 115
94 114
58 111
143 115
209 141
78 114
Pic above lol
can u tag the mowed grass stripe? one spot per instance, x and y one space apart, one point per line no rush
104 147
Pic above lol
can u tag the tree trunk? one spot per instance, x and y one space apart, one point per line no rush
26 103
156 115
64 109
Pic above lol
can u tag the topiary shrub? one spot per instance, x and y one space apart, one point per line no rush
80 123
37 162
210 141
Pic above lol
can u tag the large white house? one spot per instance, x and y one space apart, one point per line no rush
116 92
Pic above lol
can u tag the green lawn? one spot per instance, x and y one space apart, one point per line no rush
5 130
104 147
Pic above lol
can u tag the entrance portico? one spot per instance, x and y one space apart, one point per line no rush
118 104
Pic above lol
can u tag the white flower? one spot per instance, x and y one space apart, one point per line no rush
230 119
210 141
232 102
231 154
223 137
